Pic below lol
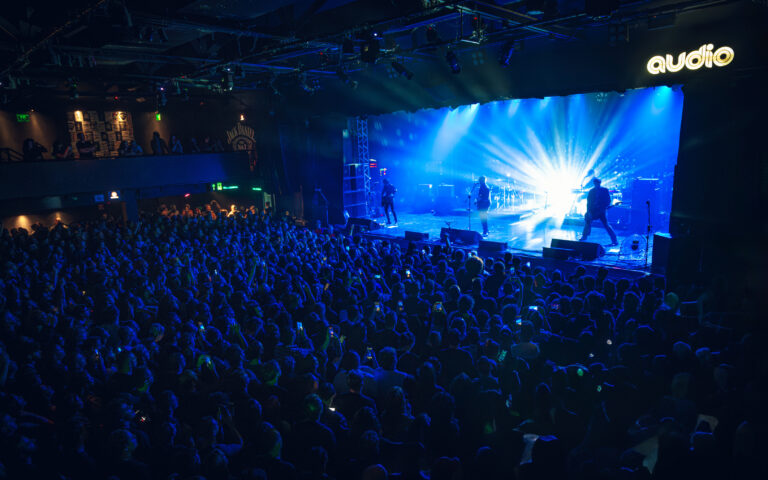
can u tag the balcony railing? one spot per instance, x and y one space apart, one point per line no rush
46 178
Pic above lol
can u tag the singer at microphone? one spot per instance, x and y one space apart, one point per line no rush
483 203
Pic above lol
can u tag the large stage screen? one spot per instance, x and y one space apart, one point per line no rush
537 156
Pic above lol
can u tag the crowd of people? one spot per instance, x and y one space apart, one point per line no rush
32 151
246 347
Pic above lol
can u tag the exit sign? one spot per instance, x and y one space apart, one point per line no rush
22 117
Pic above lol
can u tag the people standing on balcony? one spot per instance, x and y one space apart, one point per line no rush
159 147
85 148
207 145
134 149
124 149
62 151
176 146
32 150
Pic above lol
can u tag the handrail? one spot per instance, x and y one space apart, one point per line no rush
14 156
10 155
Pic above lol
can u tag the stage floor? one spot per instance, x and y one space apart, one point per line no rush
524 231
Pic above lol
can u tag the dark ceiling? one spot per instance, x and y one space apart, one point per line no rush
177 48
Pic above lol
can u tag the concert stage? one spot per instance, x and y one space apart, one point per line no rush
525 232
539 159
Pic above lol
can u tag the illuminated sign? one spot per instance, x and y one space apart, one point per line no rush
22 117
703 57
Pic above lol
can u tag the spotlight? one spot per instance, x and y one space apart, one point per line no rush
309 86
534 7
478 30
506 54
370 51
453 62
399 68
227 79
242 117
73 93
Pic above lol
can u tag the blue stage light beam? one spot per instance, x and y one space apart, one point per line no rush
542 148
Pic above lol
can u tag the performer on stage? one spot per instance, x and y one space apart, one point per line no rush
483 203
388 200
591 175
598 201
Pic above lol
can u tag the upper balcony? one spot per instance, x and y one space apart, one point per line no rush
30 180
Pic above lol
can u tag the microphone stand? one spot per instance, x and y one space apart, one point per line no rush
647 232
469 207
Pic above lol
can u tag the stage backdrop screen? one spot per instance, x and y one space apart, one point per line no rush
536 154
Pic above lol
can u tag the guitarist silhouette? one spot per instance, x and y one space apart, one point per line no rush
598 201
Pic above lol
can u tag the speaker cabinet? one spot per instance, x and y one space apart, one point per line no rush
465 237
416 236
557 253
364 224
487 246
583 250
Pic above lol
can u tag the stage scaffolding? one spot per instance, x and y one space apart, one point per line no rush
358 192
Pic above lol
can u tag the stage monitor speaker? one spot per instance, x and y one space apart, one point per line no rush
584 250
416 236
558 253
364 224
487 246
465 237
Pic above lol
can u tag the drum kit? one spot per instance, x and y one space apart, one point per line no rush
505 194
579 204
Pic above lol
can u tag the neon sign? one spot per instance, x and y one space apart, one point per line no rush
703 57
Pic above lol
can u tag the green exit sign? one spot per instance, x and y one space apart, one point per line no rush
22 117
